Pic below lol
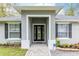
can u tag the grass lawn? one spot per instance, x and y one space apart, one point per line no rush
12 51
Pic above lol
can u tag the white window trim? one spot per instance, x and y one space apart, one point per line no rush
13 22
13 39
63 22
10 31
62 38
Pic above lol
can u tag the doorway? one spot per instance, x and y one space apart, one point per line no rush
39 33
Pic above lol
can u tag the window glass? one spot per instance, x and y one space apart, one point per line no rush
14 34
14 31
63 30
14 27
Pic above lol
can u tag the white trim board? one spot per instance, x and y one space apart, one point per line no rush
38 15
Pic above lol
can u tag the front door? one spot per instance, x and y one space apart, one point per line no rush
39 33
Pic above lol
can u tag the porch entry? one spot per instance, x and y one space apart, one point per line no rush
39 31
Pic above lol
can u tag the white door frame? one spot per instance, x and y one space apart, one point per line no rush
50 29
33 33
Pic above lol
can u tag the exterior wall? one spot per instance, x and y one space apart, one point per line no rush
24 13
2 36
25 27
30 31
2 33
10 18
75 34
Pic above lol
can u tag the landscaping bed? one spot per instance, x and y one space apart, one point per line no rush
74 46
67 49
67 46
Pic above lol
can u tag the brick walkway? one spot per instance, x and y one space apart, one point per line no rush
38 50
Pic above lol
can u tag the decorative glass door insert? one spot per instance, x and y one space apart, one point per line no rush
39 32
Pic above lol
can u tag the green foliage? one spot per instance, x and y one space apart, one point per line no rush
70 46
57 43
12 51
2 14
11 44
5 10
70 11
66 45
2 11
75 46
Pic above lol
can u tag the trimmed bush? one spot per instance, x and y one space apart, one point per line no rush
57 43
75 46
11 44
66 45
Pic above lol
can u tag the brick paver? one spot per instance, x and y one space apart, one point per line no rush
38 50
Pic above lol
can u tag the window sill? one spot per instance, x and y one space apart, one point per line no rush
62 38
14 39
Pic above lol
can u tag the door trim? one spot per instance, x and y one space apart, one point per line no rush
33 33
49 26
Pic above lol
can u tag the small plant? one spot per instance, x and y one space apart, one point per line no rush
74 46
71 45
57 43
77 46
66 45
11 44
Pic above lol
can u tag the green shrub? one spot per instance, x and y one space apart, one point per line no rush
57 43
71 45
66 45
11 44
76 46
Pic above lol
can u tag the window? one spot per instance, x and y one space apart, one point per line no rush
63 30
14 30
